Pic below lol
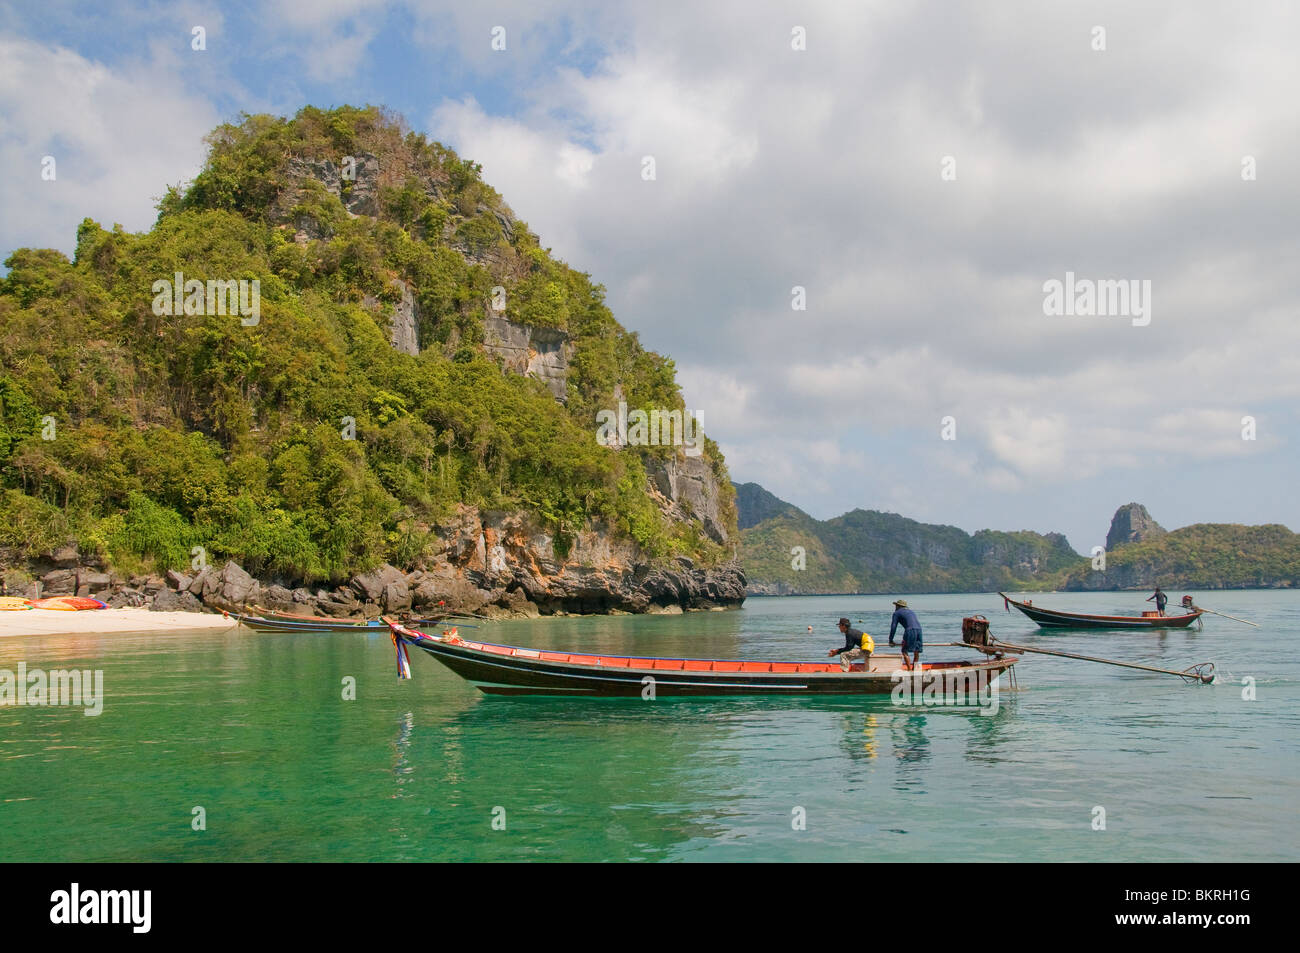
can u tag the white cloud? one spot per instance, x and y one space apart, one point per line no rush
118 137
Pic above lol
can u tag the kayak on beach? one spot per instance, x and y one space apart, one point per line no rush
69 603
14 604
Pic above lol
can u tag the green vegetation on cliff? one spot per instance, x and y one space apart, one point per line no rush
140 436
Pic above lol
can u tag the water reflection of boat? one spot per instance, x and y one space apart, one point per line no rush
512 670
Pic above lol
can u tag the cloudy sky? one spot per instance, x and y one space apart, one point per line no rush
921 170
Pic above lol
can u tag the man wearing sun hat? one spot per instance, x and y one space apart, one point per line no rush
911 632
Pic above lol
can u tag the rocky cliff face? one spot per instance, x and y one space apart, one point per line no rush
404 319
491 563
359 194
504 560
543 353
687 490
1132 524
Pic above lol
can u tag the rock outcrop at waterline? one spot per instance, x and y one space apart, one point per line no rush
495 564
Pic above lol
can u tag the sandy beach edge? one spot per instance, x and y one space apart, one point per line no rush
104 621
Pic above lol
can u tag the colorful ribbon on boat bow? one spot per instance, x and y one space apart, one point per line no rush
403 660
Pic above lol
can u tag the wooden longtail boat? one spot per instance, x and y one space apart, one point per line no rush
511 670
1050 618
278 622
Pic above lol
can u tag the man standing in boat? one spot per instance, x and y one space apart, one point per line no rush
911 632
858 646
1160 599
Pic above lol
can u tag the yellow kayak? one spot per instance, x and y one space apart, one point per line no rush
13 603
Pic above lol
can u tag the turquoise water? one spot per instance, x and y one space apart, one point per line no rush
254 729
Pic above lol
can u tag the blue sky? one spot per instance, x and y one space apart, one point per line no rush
820 168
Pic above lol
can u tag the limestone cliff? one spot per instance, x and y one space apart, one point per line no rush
1132 524
542 353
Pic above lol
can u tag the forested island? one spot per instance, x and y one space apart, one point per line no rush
391 401
788 552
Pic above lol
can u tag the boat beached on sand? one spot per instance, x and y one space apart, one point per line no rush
512 670
1052 618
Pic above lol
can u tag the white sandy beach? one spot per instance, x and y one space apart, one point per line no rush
98 621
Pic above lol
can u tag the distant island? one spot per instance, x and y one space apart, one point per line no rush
787 552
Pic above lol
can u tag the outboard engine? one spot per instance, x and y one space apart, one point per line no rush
975 630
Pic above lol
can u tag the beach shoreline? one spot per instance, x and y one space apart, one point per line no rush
106 621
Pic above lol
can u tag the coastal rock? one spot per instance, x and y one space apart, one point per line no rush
126 598
396 596
59 582
230 588
370 586
89 584
66 557
178 580
277 598
341 603
169 601
1132 524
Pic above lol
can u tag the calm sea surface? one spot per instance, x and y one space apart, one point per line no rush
255 730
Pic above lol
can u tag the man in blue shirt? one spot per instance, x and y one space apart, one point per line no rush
911 632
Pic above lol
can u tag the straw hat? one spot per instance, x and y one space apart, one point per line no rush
901 603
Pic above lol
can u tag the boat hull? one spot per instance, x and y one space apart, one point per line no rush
497 673
1048 618
261 624
280 623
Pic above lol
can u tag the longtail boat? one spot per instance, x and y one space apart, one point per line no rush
282 622
512 670
1052 618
